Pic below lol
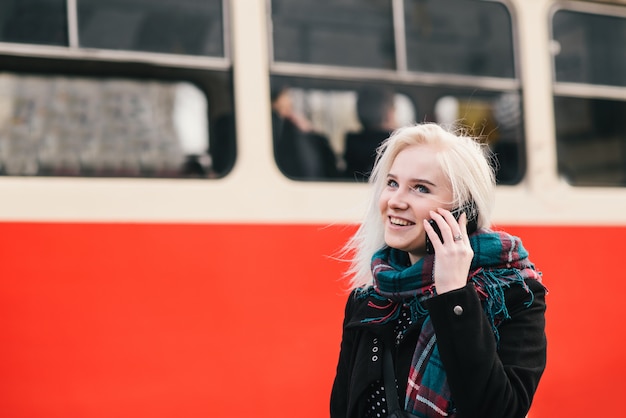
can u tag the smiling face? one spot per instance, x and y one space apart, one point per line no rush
415 185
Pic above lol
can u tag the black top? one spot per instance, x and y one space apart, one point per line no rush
485 379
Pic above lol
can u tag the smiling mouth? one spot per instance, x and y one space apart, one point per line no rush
400 222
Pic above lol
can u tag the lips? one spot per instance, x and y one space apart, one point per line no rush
400 222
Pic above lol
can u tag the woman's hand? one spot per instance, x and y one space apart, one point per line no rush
453 257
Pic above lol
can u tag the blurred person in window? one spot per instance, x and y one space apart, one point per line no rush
439 322
300 152
377 114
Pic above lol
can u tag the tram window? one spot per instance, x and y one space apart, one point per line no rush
79 126
459 37
347 33
444 38
170 26
335 117
591 141
475 39
34 21
590 118
590 48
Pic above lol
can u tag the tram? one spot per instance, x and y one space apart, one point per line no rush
159 259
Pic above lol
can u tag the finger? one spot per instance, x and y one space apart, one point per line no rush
430 231
463 227
451 230
442 223
463 223
432 235
458 226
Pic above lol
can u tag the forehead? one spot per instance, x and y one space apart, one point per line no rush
417 158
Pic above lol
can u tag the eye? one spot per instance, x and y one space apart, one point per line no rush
392 183
420 188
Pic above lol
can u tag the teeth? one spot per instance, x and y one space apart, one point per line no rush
398 221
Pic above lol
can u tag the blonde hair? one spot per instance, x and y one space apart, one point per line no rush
464 161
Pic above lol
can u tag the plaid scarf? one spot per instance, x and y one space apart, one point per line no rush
500 261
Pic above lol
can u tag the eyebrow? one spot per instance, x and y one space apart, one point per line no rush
416 180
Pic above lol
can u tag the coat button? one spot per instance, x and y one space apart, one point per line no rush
374 358
458 310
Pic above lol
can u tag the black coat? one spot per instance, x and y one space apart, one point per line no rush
486 380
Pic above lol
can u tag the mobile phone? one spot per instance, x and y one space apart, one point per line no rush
472 217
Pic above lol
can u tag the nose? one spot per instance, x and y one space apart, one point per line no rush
397 200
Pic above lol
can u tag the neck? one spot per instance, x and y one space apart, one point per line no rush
415 257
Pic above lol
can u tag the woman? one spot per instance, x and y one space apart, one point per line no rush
465 323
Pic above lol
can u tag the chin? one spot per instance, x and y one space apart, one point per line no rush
410 248
402 246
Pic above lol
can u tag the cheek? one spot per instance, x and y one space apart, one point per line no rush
423 213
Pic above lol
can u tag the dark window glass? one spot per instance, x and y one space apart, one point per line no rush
591 132
330 129
191 27
591 141
353 33
493 117
589 48
459 37
34 21
67 125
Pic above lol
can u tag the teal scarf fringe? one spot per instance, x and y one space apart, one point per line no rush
500 261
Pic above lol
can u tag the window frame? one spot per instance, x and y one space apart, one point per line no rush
74 60
578 90
401 76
